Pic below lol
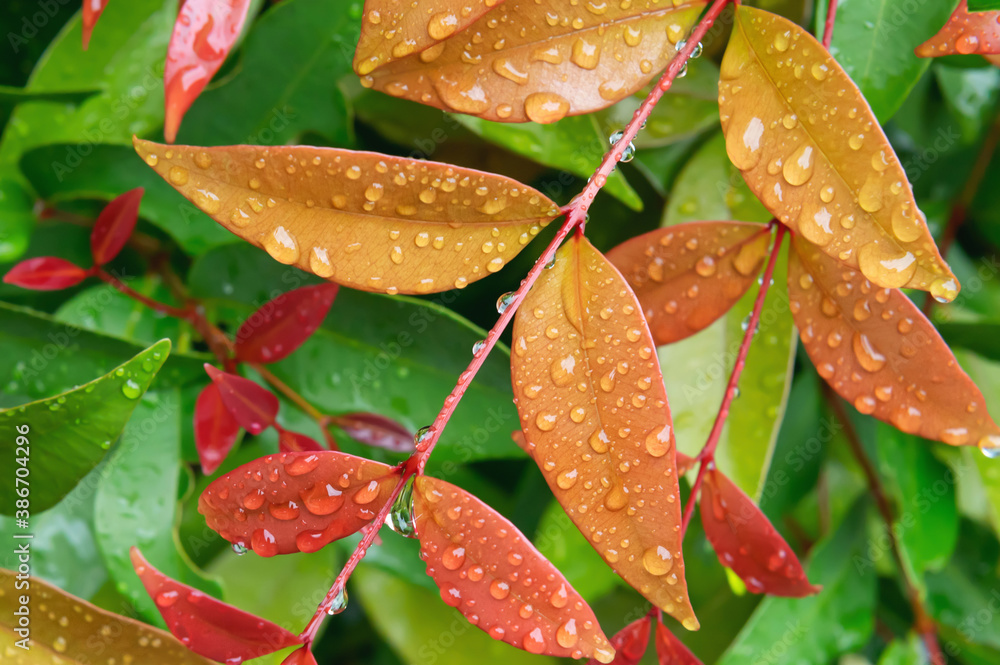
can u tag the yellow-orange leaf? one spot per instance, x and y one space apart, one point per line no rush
495 577
687 276
390 32
370 221
73 632
541 61
594 412
965 32
879 352
812 151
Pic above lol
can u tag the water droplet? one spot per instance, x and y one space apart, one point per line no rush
239 548
423 437
657 561
281 245
566 634
499 589
868 356
178 175
504 301
322 499
944 290
567 479
131 389
545 107
885 266
990 445
339 602
743 143
534 642
799 167
585 54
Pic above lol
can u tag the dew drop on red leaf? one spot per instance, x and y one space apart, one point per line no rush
203 35
281 325
114 226
376 430
45 273
670 650
215 429
208 626
291 442
91 12
253 407
630 643
496 578
296 502
746 542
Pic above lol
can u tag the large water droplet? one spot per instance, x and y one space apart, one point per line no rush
339 602
545 107
504 301
657 561
423 436
239 548
990 445
131 389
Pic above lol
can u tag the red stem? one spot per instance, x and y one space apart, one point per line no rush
707 455
831 17
124 288
576 217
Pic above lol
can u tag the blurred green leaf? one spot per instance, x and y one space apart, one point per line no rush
910 651
17 211
423 630
105 309
971 96
874 40
982 338
816 629
81 424
558 539
136 502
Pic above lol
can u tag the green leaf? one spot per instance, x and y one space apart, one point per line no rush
105 309
111 170
909 651
874 40
697 369
983 5
277 104
986 375
575 144
971 96
11 96
80 424
923 488
17 211
982 337
398 357
816 629
43 357
421 629
136 502
558 539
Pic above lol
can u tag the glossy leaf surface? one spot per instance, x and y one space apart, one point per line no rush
745 541
296 502
375 430
390 32
585 371
81 424
203 35
208 626
670 650
496 578
251 405
630 643
215 429
530 61
965 32
280 326
370 221
687 276
88 631
45 273
814 154
881 354
114 226
91 13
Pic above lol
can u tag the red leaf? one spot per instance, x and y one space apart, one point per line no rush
283 324
91 12
300 657
215 429
253 407
684 463
376 430
208 626
45 273
671 651
296 502
203 35
496 578
745 541
965 32
630 642
293 442
114 226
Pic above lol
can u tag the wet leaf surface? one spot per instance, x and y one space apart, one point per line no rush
965 32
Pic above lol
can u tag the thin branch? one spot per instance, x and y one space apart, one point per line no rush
706 457
298 400
155 305
831 17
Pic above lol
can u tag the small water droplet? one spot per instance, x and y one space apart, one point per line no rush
239 548
339 603
423 436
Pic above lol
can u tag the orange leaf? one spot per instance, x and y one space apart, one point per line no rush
594 412
207 626
813 153
92 10
528 60
965 32
745 541
371 221
71 631
296 502
496 578
879 352
389 32
687 276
